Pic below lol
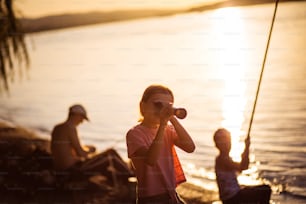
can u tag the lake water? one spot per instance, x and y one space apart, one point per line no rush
211 61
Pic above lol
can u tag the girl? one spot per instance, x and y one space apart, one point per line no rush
150 146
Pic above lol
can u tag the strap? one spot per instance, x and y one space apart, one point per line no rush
179 177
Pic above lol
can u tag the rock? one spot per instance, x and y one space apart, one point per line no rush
27 175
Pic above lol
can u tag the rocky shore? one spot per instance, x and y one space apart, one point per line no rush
26 176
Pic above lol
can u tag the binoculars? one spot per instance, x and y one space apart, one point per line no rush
180 113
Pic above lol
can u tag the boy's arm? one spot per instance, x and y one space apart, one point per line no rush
76 144
227 163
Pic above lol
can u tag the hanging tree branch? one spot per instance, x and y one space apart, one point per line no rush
12 44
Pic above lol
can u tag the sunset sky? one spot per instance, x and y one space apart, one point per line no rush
38 8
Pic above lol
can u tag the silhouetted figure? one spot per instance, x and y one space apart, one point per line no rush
226 170
150 146
69 155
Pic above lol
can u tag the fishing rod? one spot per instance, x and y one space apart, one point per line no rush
262 69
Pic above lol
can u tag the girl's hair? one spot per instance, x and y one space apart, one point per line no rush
150 91
155 89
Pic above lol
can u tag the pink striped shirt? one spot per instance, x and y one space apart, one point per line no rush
166 174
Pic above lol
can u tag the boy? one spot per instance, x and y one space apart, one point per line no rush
230 191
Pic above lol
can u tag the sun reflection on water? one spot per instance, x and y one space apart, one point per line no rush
232 63
229 30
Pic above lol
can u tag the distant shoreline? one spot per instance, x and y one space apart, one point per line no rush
32 25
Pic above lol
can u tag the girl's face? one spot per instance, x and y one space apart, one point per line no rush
151 108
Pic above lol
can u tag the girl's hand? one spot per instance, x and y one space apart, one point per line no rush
165 113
